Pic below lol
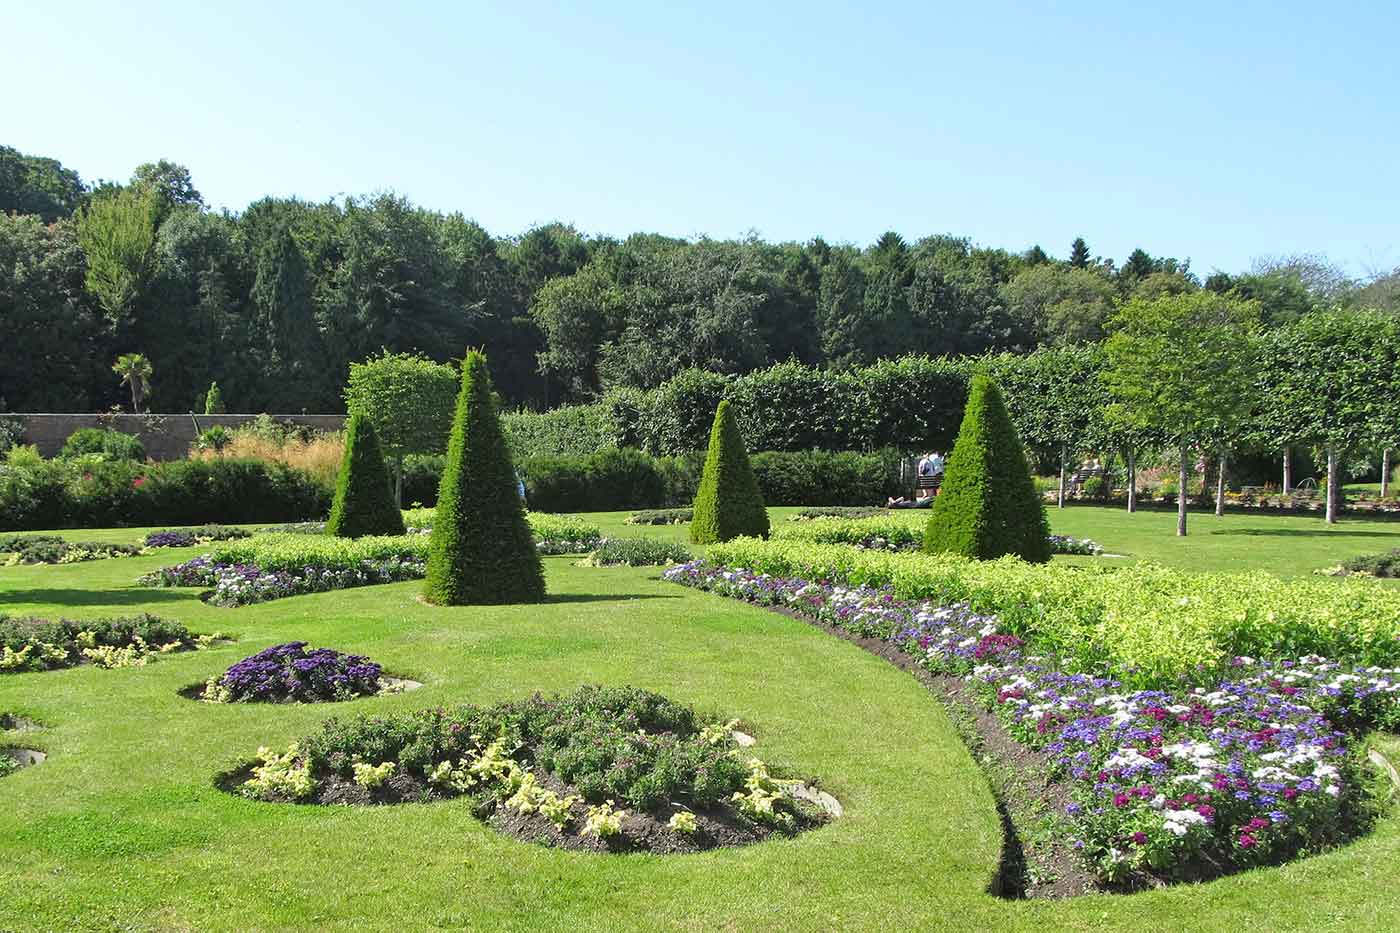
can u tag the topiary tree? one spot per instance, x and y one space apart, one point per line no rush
728 503
988 506
364 503
482 551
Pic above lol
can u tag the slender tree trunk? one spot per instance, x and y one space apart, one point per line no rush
1287 470
1064 455
1131 458
1332 490
398 480
1181 497
1385 472
135 399
1220 488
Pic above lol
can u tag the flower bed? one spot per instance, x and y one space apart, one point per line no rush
1163 784
289 673
1370 565
601 769
233 585
32 644
554 534
189 537
638 552
661 517
51 549
1151 624
894 533
840 511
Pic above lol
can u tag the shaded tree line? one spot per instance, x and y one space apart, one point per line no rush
276 301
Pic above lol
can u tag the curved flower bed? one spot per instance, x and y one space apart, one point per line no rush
601 769
886 532
1168 784
554 534
189 537
33 644
289 673
52 549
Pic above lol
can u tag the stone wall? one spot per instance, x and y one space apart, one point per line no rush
166 437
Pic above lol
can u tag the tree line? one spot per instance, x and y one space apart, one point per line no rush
276 301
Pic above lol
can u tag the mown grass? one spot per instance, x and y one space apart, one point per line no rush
123 828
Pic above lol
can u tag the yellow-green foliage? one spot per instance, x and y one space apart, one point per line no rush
728 503
292 551
905 530
1152 623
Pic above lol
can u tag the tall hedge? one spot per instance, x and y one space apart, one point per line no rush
728 503
988 506
364 501
482 551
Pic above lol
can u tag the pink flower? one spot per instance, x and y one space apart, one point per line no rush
1247 841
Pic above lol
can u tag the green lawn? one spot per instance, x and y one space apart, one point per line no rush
122 827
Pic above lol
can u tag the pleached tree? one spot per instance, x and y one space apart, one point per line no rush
364 502
728 503
988 506
482 551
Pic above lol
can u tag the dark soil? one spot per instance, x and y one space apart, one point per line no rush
196 692
716 828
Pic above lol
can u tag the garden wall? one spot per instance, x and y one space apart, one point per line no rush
165 437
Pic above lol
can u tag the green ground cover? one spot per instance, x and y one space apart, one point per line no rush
123 828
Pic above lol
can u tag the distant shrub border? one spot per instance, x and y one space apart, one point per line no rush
602 769
34 644
887 532
289 673
1371 565
661 517
1154 786
190 537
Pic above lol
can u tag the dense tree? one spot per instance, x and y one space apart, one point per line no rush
1059 304
39 186
117 231
410 399
1185 363
171 184
1079 256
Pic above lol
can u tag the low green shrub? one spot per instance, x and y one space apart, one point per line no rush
65 494
291 552
839 511
51 549
102 443
554 534
639 552
661 517
1375 565
1153 624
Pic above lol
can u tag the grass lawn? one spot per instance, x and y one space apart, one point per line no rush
122 827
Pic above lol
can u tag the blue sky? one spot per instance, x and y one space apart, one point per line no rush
1214 132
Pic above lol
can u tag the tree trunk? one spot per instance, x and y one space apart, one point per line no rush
398 481
135 399
1064 455
1332 485
1220 488
1181 497
1287 470
1385 472
1131 458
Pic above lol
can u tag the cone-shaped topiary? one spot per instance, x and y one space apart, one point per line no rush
728 503
482 551
364 501
988 505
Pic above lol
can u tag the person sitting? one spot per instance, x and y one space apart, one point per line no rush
918 502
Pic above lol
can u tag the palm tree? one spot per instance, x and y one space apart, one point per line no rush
135 371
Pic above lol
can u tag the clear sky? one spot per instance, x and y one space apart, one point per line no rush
1217 132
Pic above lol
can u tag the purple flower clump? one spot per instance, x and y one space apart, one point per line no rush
291 673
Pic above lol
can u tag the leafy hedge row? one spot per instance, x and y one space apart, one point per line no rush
56 494
1153 623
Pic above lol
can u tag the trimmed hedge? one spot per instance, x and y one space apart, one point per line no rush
482 551
57 494
574 430
728 503
988 506
364 500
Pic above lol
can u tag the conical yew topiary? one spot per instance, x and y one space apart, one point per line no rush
482 551
728 503
364 501
988 505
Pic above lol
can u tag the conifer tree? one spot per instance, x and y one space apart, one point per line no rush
988 506
728 503
482 550
364 503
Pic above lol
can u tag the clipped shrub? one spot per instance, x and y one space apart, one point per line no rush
571 431
638 552
988 506
482 550
364 502
104 443
661 517
824 477
728 503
